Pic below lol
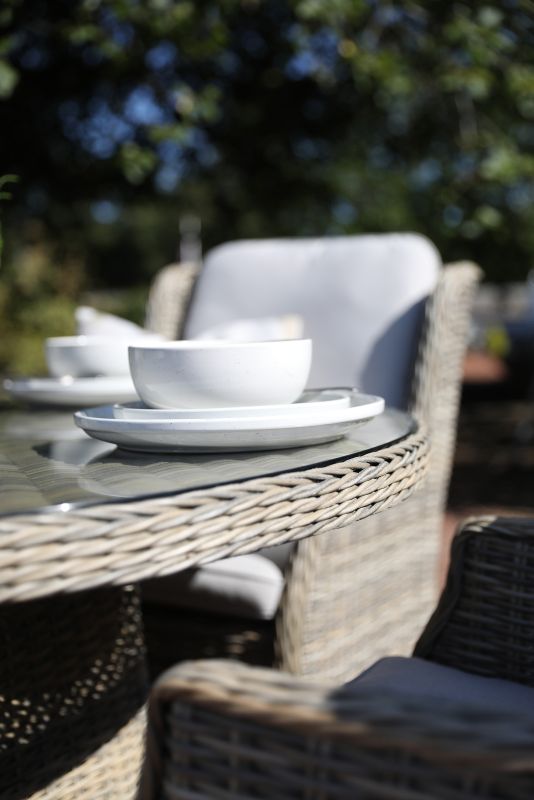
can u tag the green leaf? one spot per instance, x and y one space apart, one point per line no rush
9 78
137 162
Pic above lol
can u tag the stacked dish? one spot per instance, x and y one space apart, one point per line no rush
199 396
83 369
317 417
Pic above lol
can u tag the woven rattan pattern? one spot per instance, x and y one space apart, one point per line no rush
485 620
220 729
123 543
72 684
57 553
365 591
169 299
223 730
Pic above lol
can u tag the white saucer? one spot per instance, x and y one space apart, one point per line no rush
312 401
226 434
72 392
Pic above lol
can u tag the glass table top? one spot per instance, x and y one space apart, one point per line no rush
46 462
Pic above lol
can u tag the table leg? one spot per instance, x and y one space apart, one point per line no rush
72 689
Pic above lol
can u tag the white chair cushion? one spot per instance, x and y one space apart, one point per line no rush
243 586
361 299
288 326
415 676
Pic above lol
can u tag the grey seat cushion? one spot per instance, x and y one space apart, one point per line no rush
243 586
415 676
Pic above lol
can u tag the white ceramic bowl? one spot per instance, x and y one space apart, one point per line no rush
86 356
218 374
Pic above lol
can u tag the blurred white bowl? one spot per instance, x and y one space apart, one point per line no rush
87 356
203 374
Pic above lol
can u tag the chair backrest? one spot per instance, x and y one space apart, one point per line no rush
361 299
336 616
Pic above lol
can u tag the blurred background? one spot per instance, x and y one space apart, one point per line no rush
141 131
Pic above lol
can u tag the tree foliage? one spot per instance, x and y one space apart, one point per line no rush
264 118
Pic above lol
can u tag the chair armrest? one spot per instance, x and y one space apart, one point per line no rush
484 621
169 297
216 725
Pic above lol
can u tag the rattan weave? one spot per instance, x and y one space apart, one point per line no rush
122 543
72 678
485 620
72 690
364 590
169 299
86 734
243 735
225 730
72 673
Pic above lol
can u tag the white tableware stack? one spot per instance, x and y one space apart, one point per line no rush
87 357
99 350
223 396
89 368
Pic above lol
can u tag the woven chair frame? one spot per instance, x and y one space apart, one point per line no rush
366 590
169 298
484 622
227 730
221 729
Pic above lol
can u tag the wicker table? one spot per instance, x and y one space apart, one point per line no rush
81 523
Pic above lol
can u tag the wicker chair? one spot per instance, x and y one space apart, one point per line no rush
220 729
349 596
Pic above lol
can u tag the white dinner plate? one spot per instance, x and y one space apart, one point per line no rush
72 392
312 401
227 434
